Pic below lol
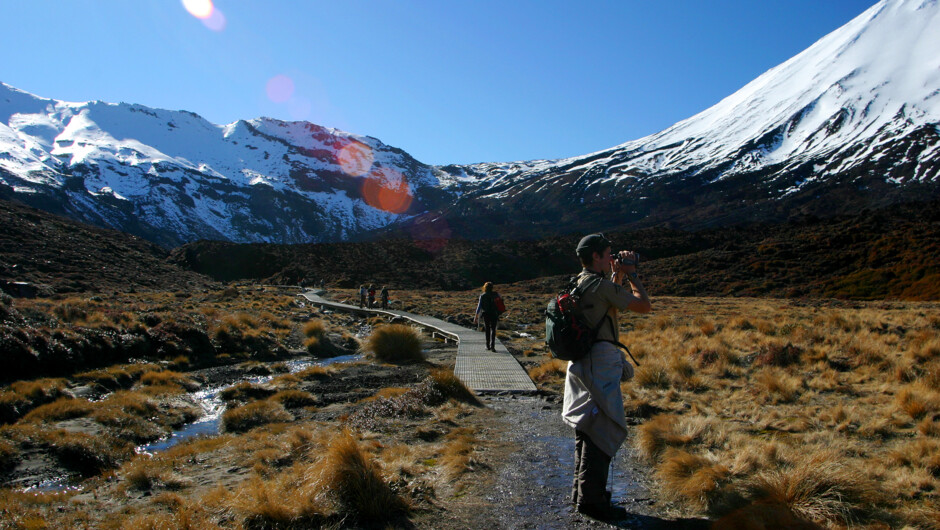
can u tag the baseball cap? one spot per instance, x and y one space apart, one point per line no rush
593 243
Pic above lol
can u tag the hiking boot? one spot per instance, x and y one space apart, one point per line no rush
603 512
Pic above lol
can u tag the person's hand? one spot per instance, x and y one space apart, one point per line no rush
626 262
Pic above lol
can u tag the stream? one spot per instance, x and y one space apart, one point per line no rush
213 406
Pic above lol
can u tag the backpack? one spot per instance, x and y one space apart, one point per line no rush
567 332
500 305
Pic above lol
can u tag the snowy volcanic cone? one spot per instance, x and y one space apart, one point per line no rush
877 77
850 122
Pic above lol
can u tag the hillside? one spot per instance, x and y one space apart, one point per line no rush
888 253
57 255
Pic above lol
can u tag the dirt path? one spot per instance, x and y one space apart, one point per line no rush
533 481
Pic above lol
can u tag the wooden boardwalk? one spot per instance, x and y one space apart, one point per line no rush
481 370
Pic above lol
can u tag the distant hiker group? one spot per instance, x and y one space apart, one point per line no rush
367 296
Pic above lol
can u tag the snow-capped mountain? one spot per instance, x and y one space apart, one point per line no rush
851 122
172 177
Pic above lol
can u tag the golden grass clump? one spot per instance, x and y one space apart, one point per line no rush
8 454
22 396
451 386
457 453
143 474
355 482
664 431
254 414
245 392
818 487
289 500
694 479
777 385
315 328
917 402
85 453
395 343
549 370
65 408
315 373
294 398
652 374
170 379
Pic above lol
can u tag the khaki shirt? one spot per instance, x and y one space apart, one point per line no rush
605 298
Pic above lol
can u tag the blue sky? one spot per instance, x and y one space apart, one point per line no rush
447 81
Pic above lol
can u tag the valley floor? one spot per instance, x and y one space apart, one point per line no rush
815 412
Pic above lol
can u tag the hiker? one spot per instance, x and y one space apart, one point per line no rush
362 296
486 306
371 296
384 295
593 403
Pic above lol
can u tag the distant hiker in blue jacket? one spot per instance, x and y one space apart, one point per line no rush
487 306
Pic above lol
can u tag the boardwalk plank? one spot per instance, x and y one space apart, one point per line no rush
480 369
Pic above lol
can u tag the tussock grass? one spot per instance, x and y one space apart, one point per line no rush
65 408
142 474
356 483
315 373
315 328
550 370
245 392
84 453
457 455
22 396
395 343
289 501
254 414
450 385
168 378
694 479
8 455
116 377
294 399
780 383
818 487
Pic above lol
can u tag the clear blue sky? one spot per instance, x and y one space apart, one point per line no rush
448 81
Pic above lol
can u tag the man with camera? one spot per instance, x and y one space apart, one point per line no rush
593 403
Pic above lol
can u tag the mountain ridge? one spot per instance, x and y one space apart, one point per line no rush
851 122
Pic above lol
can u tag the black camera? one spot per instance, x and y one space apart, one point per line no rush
635 262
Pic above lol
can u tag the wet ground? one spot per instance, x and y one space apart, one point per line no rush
533 485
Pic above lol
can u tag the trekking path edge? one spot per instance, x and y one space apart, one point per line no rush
481 370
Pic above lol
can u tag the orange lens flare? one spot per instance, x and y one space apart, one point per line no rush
355 159
387 194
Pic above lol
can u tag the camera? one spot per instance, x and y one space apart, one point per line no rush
635 261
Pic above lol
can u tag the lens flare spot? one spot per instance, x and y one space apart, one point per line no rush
216 20
387 194
355 159
201 9
280 88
